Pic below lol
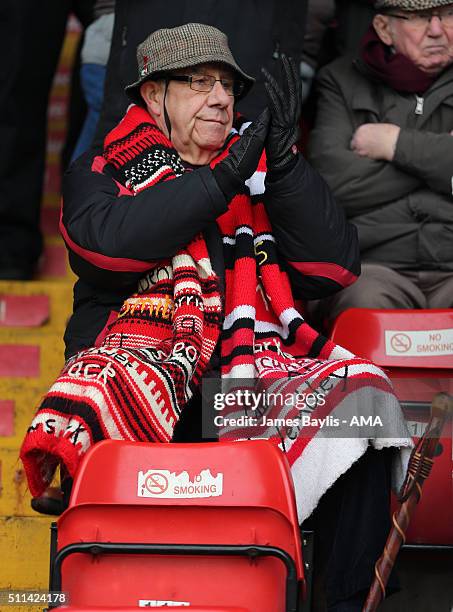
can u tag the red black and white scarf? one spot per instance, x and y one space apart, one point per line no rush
135 385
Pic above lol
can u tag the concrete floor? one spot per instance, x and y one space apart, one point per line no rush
426 583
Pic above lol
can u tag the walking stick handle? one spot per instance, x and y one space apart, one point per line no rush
442 406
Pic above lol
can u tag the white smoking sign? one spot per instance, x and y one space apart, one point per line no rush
169 485
420 343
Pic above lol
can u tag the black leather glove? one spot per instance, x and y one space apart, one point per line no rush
243 157
285 107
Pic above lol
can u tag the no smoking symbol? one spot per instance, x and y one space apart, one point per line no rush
400 343
156 484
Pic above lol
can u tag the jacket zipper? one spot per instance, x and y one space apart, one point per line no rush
419 105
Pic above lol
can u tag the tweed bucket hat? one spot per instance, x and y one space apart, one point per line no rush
181 47
411 5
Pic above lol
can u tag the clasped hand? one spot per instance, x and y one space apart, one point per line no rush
276 129
376 140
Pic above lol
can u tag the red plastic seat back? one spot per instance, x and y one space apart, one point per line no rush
232 493
398 338
415 348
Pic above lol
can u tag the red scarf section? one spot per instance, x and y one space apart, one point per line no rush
394 69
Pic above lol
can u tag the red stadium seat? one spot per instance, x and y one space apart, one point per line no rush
213 525
420 339
415 348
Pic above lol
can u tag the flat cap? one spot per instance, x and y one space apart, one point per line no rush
411 5
188 45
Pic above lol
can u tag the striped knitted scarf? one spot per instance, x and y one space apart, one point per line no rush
135 385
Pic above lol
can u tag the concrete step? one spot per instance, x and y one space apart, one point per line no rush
29 364
24 544
46 305
53 264
30 355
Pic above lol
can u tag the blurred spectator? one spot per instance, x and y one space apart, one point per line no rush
95 54
382 141
31 37
257 33
320 15
353 20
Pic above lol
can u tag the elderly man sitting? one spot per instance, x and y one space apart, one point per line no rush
382 141
188 255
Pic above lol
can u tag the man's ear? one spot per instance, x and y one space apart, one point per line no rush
151 92
381 24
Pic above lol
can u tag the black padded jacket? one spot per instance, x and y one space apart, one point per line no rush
113 237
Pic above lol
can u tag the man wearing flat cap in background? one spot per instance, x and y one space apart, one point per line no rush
382 140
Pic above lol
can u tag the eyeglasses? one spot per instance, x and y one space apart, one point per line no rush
423 19
206 82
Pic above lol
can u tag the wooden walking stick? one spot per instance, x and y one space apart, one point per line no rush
418 470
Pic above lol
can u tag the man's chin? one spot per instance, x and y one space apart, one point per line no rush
435 64
213 145
211 139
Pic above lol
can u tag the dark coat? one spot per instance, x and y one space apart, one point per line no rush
403 209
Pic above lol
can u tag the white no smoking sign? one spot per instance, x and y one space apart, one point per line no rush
409 343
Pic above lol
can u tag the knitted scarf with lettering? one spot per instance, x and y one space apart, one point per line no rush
135 385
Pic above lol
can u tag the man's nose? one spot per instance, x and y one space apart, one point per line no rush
218 96
435 27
